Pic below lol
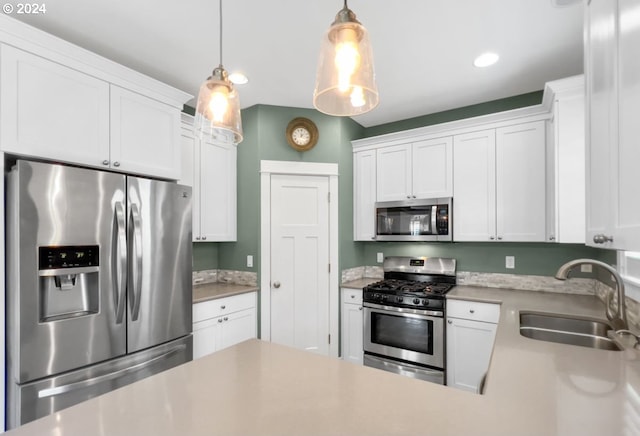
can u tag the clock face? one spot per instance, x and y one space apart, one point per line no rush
301 136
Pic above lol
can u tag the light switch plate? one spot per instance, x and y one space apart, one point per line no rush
249 261
510 262
380 257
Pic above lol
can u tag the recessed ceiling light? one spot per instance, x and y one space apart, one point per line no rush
238 78
486 59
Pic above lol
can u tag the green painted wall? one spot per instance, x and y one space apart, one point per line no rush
264 128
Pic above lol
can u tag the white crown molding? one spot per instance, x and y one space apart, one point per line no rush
35 41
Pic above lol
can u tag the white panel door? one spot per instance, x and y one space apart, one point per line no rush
300 262
626 159
432 168
469 348
50 111
352 333
237 327
520 183
190 175
364 195
218 185
206 337
600 82
393 173
474 186
145 135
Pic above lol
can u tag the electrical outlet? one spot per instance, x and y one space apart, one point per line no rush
510 262
249 261
380 257
586 268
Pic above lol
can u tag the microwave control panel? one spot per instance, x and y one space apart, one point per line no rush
442 219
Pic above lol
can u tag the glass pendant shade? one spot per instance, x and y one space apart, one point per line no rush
218 108
345 80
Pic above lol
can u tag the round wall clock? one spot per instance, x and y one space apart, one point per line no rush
302 134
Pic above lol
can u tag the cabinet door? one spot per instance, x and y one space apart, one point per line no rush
51 111
364 195
190 174
237 327
626 159
217 191
469 347
393 173
206 337
474 186
600 82
352 331
520 183
145 135
432 168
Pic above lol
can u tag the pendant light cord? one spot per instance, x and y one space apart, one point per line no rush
220 3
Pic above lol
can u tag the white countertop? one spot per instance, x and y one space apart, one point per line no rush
258 388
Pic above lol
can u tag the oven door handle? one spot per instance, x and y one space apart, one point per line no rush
405 311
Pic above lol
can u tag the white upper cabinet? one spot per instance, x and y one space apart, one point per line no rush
421 169
394 173
145 135
64 116
364 195
210 168
566 161
499 184
63 103
612 69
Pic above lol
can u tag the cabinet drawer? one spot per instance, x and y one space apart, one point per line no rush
487 312
351 296
221 306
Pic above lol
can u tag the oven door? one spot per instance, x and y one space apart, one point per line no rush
407 334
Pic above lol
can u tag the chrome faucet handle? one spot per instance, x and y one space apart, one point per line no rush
629 332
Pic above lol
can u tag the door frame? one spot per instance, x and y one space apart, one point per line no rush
329 170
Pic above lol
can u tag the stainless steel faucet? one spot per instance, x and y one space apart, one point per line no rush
618 317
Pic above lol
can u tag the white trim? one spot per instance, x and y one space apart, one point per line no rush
35 41
631 282
330 170
3 320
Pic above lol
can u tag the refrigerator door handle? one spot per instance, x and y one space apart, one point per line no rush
120 260
135 238
58 390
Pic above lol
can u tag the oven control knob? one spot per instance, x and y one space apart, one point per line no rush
399 299
416 301
376 296
384 298
425 302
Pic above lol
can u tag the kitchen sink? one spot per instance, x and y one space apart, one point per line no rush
567 330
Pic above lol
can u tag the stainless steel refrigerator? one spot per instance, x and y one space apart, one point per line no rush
98 284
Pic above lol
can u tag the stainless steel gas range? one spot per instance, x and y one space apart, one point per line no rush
404 317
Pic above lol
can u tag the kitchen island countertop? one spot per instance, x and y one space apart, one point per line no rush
259 388
211 291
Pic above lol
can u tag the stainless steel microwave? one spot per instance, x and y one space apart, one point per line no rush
414 220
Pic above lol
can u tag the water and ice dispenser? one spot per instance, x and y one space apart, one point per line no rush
68 281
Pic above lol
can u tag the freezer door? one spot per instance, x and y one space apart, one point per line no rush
64 311
159 278
43 397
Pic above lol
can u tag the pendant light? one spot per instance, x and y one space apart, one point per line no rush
218 107
345 81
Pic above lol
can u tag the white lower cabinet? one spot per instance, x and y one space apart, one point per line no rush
223 322
471 330
352 325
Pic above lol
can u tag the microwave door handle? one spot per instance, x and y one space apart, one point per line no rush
120 261
434 216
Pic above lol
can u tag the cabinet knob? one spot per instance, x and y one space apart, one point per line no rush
601 239
373 237
219 320
499 238
472 311
116 164
204 238
105 162
413 196
276 285
492 237
197 238
223 307
408 196
360 308
552 238
449 321
353 296
226 318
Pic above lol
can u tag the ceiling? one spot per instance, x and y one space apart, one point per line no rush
423 49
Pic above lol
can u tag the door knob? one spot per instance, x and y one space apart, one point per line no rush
601 239
276 285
